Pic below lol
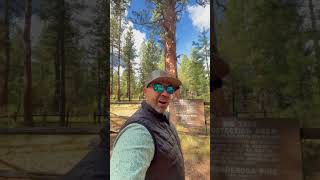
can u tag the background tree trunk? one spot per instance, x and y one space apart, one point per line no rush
128 81
111 69
316 37
57 76
27 66
119 55
99 85
7 44
62 101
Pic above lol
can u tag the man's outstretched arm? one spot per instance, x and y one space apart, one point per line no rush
132 154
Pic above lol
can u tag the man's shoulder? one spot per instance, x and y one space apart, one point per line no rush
134 130
134 127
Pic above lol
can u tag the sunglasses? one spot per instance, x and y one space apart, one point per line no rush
159 88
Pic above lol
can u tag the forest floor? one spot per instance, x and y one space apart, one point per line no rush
47 154
195 145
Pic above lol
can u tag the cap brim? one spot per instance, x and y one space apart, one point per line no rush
173 81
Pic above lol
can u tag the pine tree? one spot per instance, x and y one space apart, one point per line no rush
128 57
11 9
61 38
264 67
203 46
164 16
150 58
184 76
100 53
118 9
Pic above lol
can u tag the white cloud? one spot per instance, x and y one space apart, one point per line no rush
139 37
200 16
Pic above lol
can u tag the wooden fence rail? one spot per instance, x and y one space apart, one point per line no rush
50 131
138 102
305 133
53 115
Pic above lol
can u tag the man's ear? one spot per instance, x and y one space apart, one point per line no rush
144 90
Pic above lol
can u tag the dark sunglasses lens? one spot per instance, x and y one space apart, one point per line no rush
170 90
158 88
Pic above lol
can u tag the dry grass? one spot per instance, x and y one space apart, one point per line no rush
43 153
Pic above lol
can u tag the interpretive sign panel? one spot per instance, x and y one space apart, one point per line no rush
188 112
257 149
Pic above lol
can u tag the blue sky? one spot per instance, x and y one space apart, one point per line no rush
188 28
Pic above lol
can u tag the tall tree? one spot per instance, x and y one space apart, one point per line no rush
198 84
203 46
100 32
27 65
11 9
4 95
61 60
315 38
165 15
61 38
150 57
53 33
114 32
128 57
263 66
119 7
184 76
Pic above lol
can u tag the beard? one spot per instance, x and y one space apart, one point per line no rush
160 108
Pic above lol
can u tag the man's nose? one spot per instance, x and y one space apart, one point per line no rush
165 93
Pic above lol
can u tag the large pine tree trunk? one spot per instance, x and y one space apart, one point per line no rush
27 66
4 94
62 99
169 25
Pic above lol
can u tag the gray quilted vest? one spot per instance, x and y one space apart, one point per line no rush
168 161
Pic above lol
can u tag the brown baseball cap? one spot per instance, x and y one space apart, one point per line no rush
162 75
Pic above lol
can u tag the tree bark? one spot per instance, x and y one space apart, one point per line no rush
27 66
61 54
7 44
169 25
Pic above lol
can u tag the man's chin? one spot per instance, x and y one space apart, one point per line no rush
160 109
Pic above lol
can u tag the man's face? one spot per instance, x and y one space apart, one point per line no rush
159 101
